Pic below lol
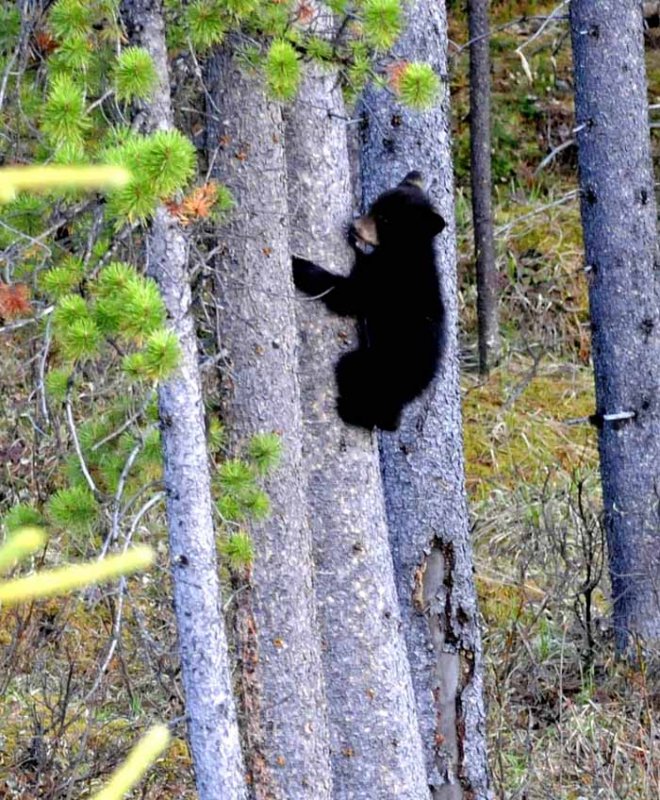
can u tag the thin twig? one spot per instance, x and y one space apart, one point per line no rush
125 425
553 154
41 388
100 100
564 199
76 442
21 323
114 530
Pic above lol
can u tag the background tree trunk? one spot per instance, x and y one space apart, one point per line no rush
210 712
285 723
481 180
376 751
619 221
422 463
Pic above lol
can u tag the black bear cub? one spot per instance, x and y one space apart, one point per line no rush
394 293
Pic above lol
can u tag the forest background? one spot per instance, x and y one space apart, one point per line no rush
565 720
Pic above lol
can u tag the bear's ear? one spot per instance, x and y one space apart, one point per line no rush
414 178
436 222
365 227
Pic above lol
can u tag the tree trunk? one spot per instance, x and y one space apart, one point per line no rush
422 463
210 711
619 222
286 726
376 751
480 176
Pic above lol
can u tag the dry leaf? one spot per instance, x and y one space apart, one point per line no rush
14 300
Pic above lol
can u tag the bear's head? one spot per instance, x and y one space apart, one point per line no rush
403 212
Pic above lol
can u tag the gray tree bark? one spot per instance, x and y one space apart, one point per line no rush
210 711
422 463
619 222
286 722
376 750
481 180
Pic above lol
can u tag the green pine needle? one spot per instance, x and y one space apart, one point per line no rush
108 315
252 503
63 279
238 550
265 451
134 366
224 200
152 449
135 202
230 509
91 432
249 57
112 288
74 508
168 161
116 136
69 17
383 20
57 383
115 278
282 70
205 24
239 8
319 49
256 504
20 516
142 310
64 120
235 476
81 340
70 153
359 70
162 354
70 308
134 74
151 412
217 435
272 20
27 213
110 466
419 86
73 54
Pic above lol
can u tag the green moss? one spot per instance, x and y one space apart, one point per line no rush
516 427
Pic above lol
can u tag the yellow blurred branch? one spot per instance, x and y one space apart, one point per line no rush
141 757
67 579
52 176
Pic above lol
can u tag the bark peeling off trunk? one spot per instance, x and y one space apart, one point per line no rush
210 711
422 464
286 728
376 751
619 222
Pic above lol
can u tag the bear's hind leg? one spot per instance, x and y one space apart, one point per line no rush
355 390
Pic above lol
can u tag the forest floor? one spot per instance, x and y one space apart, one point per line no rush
566 722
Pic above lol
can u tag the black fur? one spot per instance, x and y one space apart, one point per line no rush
394 293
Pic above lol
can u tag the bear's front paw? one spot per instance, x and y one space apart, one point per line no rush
352 237
357 243
303 272
309 278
